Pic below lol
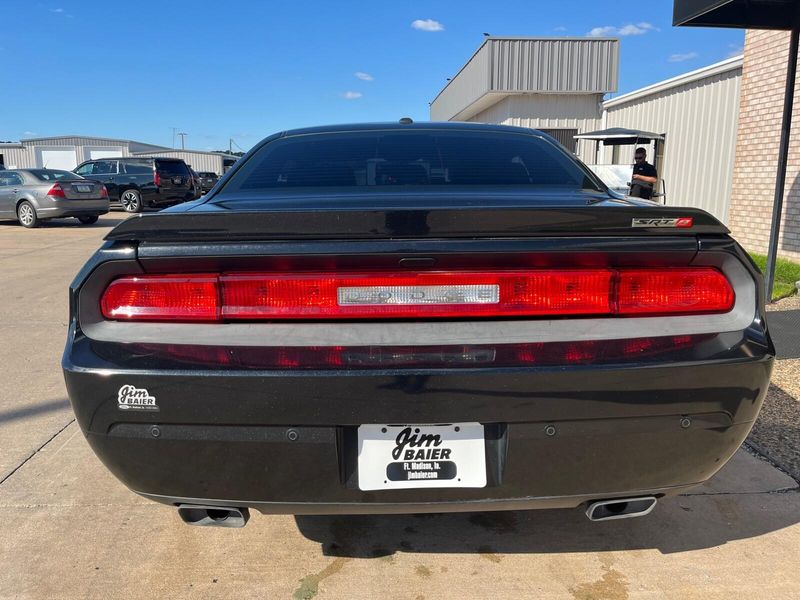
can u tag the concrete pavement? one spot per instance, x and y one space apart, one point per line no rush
70 530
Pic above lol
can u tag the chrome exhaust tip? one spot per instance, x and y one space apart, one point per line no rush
213 516
621 508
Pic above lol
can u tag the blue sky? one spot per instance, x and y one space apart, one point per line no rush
215 70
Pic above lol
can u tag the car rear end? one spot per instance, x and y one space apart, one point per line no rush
59 193
208 180
372 353
173 181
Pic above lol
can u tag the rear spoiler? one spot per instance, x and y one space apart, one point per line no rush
495 222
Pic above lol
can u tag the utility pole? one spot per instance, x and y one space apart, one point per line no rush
183 140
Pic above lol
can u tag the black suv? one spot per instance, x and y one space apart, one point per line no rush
208 179
140 181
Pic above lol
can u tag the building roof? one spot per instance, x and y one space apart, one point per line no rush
185 150
91 137
730 64
502 66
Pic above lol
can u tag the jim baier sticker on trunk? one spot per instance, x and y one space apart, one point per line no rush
130 397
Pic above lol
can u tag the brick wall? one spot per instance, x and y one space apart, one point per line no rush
758 138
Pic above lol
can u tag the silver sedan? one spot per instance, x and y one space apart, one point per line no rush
33 195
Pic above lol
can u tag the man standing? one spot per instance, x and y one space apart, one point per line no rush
644 176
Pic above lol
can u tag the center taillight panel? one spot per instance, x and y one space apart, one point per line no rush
219 297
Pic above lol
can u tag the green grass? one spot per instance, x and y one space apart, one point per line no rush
786 274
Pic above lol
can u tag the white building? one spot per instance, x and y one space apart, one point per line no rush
67 152
559 85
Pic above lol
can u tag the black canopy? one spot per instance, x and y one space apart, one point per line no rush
620 136
743 14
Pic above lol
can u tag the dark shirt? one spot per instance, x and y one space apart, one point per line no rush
639 188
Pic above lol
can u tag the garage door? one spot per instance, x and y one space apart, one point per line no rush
95 154
58 159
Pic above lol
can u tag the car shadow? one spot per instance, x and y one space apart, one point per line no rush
680 524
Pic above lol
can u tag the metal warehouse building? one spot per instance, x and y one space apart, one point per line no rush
67 152
558 85
553 84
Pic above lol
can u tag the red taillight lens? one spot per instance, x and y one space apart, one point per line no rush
103 192
254 296
57 191
156 178
371 295
163 297
671 291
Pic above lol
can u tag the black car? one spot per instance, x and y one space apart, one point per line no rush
139 182
208 179
416 318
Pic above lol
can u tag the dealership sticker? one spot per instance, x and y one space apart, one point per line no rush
132 398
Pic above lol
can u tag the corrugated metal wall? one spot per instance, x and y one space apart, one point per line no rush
553 65
503 65
468 85
19 158
199 161
548 111
700 120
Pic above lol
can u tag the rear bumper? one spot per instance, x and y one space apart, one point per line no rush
73 208
220 438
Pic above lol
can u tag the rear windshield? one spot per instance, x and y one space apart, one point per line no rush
414 158
172 167
53 174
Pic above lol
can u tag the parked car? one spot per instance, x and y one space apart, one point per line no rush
208 179
197 186
141 182
416 318
34 195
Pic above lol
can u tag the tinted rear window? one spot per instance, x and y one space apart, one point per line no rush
413 158
53 174
172 167
138 167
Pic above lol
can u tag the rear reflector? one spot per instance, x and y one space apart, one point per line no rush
458 294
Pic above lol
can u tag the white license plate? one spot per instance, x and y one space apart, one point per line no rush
84 189
421 456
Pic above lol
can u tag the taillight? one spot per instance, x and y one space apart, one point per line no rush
57 191
670 291
399 295
103 192
156 178
365 295
163 297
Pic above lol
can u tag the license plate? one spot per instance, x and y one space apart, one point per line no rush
421 456
177 180
84 189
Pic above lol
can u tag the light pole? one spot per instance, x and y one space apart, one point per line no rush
183 140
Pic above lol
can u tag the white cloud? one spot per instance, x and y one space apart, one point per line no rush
560 29
350 95
427 25
682 57
624 30
363 76
57 10
28 133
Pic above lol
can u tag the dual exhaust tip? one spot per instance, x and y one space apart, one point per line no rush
213 516
226 516
621 508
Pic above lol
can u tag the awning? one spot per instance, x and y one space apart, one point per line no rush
743 14
756 14
620 136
